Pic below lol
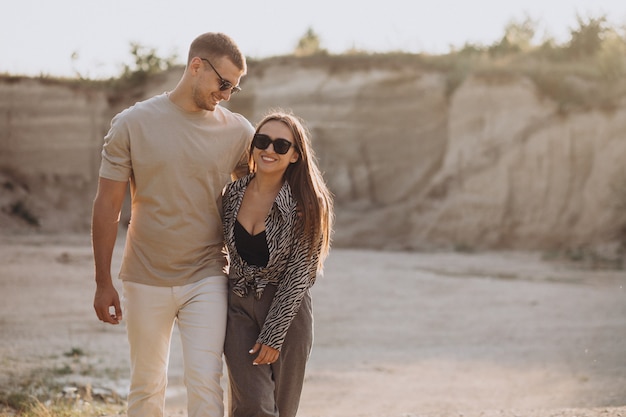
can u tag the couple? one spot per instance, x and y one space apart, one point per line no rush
180 151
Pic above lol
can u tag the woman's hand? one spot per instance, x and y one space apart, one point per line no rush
267 355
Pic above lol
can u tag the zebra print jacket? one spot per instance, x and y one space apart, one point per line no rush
290 268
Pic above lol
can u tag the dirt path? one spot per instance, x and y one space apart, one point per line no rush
397 334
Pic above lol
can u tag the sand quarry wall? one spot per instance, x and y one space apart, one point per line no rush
493 164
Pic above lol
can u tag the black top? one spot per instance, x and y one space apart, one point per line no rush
252 248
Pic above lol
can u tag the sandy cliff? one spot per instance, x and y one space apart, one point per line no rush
518 173
492 164
50 133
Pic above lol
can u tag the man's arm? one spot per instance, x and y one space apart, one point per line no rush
242 169
104 223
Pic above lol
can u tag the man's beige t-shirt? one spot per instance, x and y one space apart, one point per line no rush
177 162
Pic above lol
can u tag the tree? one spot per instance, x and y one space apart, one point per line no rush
587 38
518 37
309 44
147 62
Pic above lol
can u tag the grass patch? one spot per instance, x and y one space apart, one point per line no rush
60 407
50 392
47 398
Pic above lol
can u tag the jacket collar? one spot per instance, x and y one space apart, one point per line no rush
284 200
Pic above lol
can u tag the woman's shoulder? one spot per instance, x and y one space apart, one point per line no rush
239 184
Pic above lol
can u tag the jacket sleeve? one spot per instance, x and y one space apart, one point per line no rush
298 278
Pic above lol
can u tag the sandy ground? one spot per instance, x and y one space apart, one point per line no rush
397 334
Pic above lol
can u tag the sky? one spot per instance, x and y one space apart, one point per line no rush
92 39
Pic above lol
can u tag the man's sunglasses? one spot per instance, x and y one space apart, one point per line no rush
224 84
261 141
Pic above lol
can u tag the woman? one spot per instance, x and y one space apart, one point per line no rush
277 226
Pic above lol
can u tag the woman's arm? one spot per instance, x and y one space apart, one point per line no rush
300 275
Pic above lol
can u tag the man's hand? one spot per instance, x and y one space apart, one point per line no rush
105 298
267 355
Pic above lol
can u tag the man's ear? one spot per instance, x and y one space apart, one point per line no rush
195 64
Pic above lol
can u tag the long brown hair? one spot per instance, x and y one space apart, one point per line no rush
307 184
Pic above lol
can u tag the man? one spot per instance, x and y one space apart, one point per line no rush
178 150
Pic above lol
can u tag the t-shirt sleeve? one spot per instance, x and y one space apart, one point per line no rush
116 161
242 168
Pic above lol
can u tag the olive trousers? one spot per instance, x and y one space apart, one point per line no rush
265 390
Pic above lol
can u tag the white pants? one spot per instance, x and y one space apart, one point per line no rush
150 313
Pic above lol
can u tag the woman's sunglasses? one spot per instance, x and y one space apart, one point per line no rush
261 141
